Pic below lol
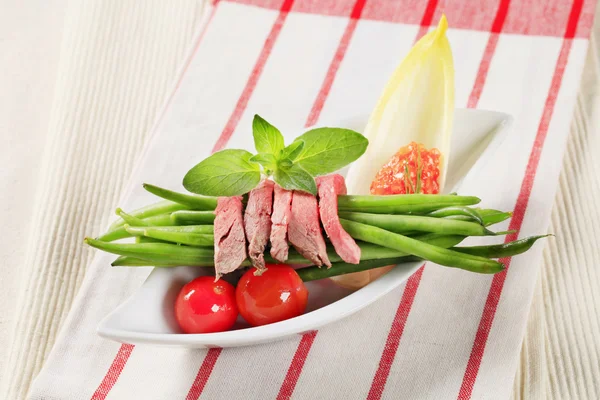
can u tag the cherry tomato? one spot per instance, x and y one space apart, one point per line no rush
276 295
205 306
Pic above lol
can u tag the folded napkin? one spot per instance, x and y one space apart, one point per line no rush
445 333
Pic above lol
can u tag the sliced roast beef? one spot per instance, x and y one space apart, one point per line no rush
280 218
330 187
257 222
230 241
304 230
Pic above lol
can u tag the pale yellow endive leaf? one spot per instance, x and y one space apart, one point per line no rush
417 104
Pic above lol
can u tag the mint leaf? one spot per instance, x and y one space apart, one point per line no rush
328 149
295 178
292 151
267 138
285 164
226 173
266 160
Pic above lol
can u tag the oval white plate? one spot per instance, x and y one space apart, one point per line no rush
147 316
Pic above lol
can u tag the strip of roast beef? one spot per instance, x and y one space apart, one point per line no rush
230 241
304 230
280 218
329 187
257 222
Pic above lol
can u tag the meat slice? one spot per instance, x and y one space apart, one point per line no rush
330 187
257 222
304 230
230 241
282 211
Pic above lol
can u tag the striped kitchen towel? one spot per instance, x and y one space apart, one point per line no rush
445 333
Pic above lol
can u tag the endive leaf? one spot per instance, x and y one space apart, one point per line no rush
417 104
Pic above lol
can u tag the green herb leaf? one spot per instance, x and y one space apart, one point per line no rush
328 149
266 160
285 164
292 151
267 138
226 173
295 178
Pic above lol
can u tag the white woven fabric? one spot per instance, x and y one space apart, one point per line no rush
81 360
65 172
28 34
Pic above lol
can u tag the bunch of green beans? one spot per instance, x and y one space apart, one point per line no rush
389 230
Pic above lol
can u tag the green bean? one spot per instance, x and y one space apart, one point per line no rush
158 252
436 238
369 251
192 217
144 239
340 268
501 250
484 212
200 235
409 223
195 202
126 261
162 207
495 218
372 256
405 203
426 251
120 232
196 229
314 273
130 219
487 219
457 210
114 234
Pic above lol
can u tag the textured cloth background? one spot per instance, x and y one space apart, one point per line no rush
117 62
81 89
30 37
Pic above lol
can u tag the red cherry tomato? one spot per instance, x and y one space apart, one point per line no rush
205 306
274 296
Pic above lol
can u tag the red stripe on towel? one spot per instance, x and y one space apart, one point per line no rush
113 373
393 339
203 374
338 57
295 368
242 103
488 54
427 19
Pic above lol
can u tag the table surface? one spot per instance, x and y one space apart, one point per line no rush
560 358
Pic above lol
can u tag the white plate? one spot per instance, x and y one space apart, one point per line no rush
147 316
